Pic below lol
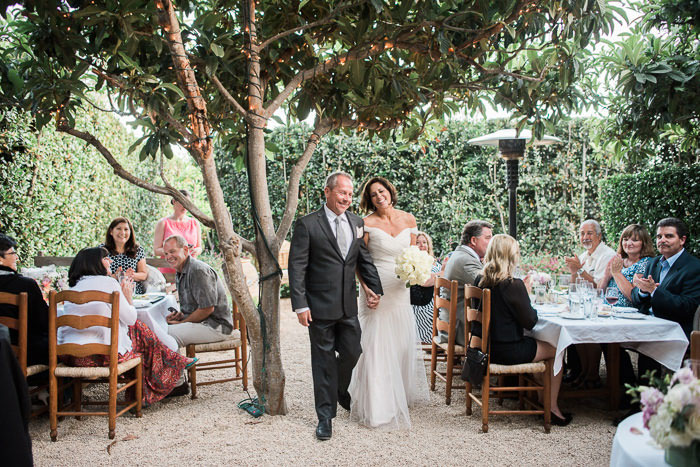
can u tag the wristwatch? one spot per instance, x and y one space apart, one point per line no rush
580 272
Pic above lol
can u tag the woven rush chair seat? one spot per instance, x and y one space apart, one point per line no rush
64 371
36 369
537 367
459 349
231 342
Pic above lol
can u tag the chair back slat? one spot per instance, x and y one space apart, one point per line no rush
82 322
19 324
695 345
83 350
482 316
448 303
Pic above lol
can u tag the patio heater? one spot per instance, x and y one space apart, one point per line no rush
512 148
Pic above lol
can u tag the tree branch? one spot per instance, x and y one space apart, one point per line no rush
321 128
229 98
321 22
119 170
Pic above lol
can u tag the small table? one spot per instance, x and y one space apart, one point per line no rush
154 315
633 445
660 339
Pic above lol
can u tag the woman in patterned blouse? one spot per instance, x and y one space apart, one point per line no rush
126 255
634 251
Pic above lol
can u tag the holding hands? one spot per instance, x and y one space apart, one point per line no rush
372 299
645 284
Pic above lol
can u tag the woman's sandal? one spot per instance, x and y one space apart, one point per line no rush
558 421
193 362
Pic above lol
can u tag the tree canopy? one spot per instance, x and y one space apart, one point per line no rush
192 72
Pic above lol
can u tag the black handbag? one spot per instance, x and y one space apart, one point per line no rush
421 296
474 367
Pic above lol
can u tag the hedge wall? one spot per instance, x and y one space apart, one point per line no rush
58 195
444 183
646 197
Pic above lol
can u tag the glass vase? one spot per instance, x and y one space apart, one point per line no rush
683 456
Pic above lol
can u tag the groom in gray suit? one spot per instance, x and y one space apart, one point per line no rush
327 250
463 266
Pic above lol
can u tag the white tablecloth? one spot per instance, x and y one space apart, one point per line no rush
154 317
632 448
660 339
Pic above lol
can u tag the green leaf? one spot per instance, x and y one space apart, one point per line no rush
217 49
17 81
174 88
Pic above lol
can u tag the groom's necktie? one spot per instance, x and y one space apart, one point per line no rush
340 236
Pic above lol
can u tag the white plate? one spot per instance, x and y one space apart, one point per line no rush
570 316
142 303
630 316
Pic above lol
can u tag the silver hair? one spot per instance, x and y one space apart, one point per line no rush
179 240
332 179
595 224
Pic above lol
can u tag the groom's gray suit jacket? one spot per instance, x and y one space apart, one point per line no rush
319 277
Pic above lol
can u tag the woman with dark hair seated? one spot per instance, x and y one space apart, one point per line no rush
161 366
127 256
38 310
511 313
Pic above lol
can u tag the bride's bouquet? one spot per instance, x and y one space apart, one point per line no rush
413 266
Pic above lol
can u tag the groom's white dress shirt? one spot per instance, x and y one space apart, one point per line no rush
345 225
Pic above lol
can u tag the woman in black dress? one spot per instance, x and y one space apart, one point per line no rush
511 313
127 256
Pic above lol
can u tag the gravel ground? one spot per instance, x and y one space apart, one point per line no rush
213 431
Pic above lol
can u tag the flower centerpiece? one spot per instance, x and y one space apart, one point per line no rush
671 413
48 278
413 266
540 278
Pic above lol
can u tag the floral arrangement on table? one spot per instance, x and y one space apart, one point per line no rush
539 278
413 266
671 411
48 278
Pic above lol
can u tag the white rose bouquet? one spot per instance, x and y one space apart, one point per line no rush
671 411
413 266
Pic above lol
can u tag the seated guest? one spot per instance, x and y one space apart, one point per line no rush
634 252
422 295
464 265
37 309
126 255
511 313
671 288
161 366
590 265
204 314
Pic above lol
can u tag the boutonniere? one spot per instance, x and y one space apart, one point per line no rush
360 231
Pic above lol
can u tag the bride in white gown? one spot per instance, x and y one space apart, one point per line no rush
390 375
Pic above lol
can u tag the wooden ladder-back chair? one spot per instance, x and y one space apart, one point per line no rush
695 345
526 383
20 325
109 374
237 342
452 352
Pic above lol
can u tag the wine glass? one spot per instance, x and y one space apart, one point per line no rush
612 295
563 281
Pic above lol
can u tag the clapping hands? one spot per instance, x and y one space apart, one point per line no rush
645 284
573 263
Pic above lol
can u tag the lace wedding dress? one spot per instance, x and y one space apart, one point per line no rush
390 375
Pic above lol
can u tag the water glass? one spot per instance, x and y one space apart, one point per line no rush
540 295
589 308
563 281
694 365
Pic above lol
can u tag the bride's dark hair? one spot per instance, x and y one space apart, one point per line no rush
366 200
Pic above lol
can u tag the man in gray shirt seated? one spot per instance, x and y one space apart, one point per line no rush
204 314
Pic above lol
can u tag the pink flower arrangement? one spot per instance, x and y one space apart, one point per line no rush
671 412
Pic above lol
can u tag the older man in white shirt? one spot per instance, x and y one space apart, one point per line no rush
590 265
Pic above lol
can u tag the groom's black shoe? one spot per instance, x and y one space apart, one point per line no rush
344 401
324 430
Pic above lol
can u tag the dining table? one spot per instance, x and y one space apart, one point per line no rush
633 446
657 338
